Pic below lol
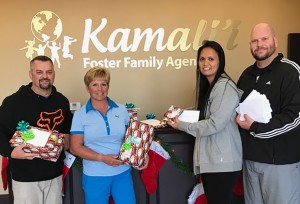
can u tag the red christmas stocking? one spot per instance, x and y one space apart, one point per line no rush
157 157
4 172
68 161
111 200
197 196
238 188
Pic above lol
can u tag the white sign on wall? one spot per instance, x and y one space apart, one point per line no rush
47 30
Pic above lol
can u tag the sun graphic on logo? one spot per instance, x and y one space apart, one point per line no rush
46 26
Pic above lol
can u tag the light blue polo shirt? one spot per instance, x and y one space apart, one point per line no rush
102 134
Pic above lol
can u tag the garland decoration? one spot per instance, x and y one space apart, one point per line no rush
179 164
78 164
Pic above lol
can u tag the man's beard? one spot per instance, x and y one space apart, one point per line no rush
265 56
45 87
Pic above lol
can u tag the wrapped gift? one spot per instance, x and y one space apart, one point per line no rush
136 145
47 144
132 111
171 113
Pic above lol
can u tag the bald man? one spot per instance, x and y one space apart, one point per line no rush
271 150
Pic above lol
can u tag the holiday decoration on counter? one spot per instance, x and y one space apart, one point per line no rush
137 141
171 113
157 158
4 175
68 162
132 110
150 116
178 163
48 144
197 196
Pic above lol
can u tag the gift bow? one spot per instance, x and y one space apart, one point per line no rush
129 105
150 116
22 126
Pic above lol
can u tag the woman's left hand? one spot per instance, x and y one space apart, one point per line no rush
174 123
111 160
145 164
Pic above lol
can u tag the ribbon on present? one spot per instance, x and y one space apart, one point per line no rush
22 126
129 105
150 116
27 135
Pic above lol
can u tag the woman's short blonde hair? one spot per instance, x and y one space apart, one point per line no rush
97 72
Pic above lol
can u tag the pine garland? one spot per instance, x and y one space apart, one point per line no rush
78 164
179 164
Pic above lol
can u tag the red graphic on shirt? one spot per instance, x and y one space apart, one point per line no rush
50 119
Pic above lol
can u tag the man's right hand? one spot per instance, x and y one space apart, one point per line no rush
18 153
246 123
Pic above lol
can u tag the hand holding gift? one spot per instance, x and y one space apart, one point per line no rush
172 113
169 116
137 141
145 164
18 153
36 142
111 160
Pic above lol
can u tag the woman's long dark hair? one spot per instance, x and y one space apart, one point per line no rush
203 88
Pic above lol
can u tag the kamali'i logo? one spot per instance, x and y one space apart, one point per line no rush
49 39
46 27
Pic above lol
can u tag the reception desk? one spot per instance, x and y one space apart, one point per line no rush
174 186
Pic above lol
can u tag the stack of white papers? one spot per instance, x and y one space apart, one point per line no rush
257 106
190 116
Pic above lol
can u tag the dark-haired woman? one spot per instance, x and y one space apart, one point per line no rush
218 147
